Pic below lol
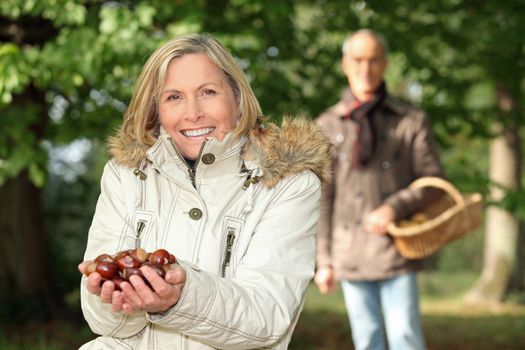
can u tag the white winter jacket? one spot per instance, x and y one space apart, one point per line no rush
242 225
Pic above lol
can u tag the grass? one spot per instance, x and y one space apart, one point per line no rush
448 323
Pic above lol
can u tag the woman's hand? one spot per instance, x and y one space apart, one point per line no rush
163 293
106 291
136 295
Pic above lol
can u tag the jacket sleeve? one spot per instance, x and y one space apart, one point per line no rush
425 162
108 223
261 304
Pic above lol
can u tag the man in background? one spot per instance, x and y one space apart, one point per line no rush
380 145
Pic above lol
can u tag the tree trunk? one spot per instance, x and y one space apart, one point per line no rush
516 282
26 284
501 227
25 273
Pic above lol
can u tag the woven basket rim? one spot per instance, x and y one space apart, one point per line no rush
470 200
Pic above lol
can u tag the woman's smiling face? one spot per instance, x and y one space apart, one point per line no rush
196 103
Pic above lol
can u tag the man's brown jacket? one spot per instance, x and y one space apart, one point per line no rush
404 151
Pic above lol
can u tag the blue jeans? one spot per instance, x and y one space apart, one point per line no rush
394 301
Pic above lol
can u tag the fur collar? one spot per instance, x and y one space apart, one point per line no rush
296 146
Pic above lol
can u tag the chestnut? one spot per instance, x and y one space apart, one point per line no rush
107 269
139 254
130 271
123 260
104 257
119 267
159 256
91 268
117 280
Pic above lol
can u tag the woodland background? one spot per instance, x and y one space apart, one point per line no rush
67 69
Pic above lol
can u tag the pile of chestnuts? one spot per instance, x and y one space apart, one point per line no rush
119 267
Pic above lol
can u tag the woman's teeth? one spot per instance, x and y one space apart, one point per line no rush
197 132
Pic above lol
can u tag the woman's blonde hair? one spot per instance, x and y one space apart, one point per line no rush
141 122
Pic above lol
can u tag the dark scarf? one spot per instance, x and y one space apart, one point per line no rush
361 113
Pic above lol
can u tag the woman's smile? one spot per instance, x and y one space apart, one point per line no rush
197 132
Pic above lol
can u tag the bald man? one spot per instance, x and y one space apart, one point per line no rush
380 145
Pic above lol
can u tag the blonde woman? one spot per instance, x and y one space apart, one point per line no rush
196 171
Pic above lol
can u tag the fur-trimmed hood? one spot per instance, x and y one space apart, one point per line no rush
296 146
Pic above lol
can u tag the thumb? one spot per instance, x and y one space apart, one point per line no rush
177 275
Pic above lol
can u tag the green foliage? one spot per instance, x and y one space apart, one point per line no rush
89 53
20 149
513 202
14 72
62 12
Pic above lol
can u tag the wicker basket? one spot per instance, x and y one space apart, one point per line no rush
449 218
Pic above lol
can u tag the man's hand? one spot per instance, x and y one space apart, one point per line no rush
378 220
324 278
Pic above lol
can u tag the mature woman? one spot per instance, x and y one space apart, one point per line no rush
196 171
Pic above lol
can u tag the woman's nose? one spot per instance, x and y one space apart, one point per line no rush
193 110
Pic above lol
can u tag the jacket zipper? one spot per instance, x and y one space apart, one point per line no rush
140 227
191 170
230 238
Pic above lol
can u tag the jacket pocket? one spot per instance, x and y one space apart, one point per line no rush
231 233
139 231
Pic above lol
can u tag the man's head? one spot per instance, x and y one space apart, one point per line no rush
364 62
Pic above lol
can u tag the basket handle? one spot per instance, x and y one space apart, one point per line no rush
432 181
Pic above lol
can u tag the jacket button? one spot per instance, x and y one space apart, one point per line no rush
397 156
195 213
385 165
208 158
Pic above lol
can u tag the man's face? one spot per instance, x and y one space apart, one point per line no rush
364 66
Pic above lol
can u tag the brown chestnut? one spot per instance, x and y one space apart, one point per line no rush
123 260
139 254
117 280
126 263
107 269
160 256
130 271
104 257
91 268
